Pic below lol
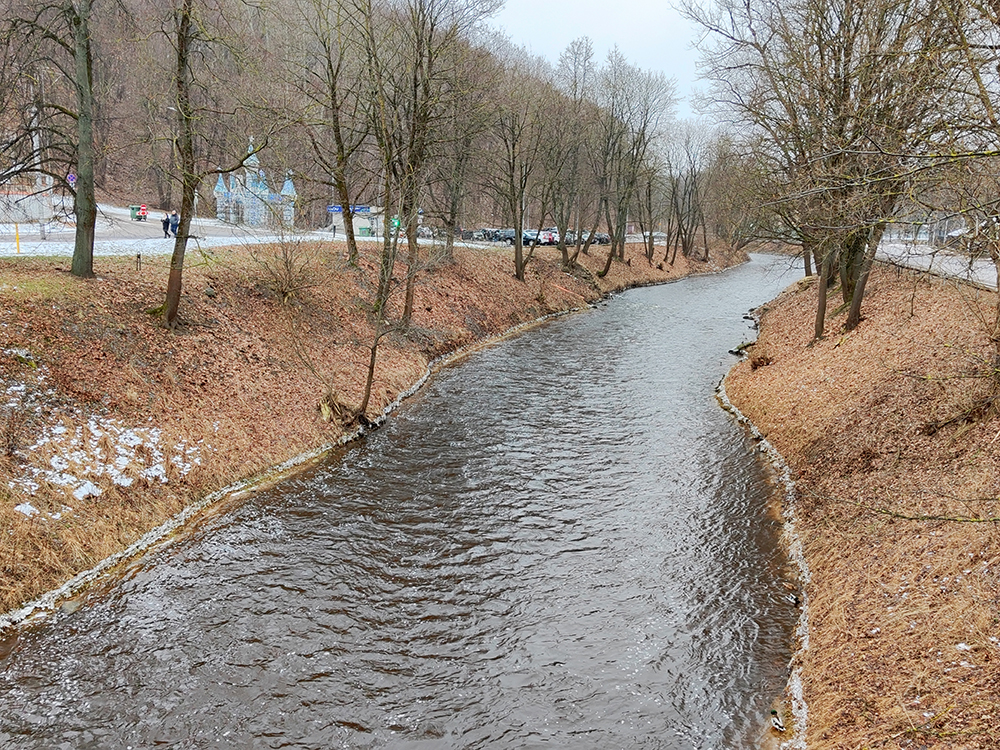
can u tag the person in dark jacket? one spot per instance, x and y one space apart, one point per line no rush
175 221
165 223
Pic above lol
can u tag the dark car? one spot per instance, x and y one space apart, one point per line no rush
505 236
602 238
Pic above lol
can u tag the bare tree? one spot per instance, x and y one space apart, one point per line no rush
575 77
326 69
406 53
201 39
634 104
688 190
518 132
59 42
842 95
466 108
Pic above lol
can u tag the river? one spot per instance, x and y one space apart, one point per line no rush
562 542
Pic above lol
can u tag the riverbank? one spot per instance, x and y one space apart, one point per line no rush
898 479
111 425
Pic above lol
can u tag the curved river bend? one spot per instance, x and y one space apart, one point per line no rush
561 543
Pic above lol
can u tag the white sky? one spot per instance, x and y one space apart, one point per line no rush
650 33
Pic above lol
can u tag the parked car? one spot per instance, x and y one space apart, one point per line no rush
425 233
530 236
505 235
601 238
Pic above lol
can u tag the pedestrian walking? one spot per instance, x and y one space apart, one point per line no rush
165 223
175 221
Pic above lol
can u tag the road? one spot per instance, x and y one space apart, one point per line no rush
117 234
939 261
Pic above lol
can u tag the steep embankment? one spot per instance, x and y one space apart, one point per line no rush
898 474
111 424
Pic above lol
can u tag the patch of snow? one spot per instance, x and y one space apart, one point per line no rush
76 456
87 489
27 509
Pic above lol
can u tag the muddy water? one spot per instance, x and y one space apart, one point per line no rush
561 543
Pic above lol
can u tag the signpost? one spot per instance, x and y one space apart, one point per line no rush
71 179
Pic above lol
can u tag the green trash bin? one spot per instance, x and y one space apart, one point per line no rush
134 210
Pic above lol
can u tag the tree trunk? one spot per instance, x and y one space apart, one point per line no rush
348 214
371 375
451 222
854 316
412 258
852 255
85 204
340 172
704 235
185 149
607 263
449 240
823 284
519 263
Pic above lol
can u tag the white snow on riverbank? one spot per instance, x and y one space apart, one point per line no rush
80 454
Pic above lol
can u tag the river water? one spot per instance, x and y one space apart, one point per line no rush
563 543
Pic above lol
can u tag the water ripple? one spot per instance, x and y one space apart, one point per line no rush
561 543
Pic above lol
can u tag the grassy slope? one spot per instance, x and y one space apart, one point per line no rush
904 627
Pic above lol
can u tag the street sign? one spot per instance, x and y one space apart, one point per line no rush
338 209
71 179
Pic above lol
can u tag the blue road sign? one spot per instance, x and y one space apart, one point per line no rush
338 209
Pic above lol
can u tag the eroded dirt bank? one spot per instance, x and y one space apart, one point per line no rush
897 467
111 424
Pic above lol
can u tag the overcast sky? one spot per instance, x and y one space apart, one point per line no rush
650 33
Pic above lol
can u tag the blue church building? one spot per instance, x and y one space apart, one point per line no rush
248 200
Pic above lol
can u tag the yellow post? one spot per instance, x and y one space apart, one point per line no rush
17 240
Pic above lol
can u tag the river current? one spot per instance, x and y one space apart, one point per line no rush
563 542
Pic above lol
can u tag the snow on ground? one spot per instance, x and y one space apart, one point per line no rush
77 453
103 447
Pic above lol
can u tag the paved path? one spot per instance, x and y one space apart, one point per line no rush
940 262
117 234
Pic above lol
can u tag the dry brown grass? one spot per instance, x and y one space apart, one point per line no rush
905 606
243 377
